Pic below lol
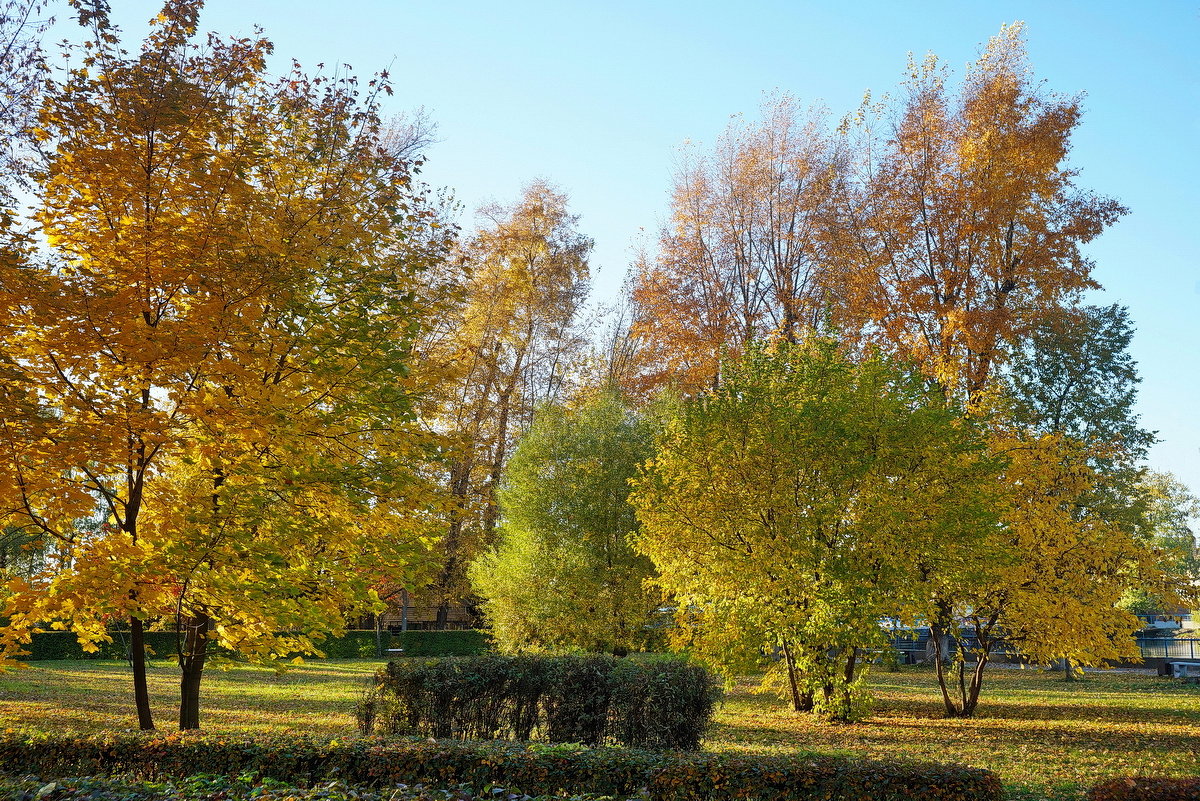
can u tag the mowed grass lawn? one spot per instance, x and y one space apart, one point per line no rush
1046 738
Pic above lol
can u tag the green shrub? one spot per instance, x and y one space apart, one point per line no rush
353 645
205 787
590 699
468 642
1143 788
890 660
531 769
49 645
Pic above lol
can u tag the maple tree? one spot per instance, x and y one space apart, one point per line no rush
215 353
512 341
563 573
783 509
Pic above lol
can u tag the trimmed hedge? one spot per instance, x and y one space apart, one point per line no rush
656 703
47 645
206 787
1146 788
466 642
531 769
50 645
354 644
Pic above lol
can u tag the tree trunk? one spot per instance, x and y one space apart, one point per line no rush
935 632
961 663
848 676
191 663
801 701
443 616
137 660
976 683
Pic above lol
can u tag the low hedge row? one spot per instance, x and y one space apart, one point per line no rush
354 644
47 645
465 642
654 703
206 787
531 769
1144 788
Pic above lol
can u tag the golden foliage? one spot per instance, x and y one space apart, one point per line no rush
213 356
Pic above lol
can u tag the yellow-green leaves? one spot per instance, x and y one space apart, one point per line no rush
564 574
792 508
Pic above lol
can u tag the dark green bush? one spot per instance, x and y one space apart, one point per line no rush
246 787
531 769
48 645
1144 788
592 699
468 642
353 645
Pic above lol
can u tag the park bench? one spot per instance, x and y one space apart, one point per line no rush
1187 670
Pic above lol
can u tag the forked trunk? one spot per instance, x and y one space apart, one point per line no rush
972 699
939 659
968 690
801 701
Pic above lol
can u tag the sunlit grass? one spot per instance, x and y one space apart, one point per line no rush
1045 738
314 698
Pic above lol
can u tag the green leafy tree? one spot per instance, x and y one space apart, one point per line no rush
1073 375
512 337
21 552
1072 378
564 574
787 510
1170 511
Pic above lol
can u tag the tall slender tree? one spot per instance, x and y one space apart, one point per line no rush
563 573
513 340
962 222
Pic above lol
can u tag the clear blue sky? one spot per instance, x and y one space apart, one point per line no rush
597 97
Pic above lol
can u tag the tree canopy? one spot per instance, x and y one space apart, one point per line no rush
213 352
564 574
794 506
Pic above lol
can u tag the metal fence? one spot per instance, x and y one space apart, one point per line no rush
1169 647
1151 647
